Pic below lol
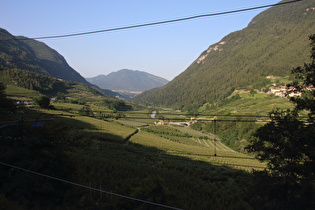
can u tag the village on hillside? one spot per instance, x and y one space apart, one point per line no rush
278 90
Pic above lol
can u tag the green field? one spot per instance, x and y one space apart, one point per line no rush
19 93
259 104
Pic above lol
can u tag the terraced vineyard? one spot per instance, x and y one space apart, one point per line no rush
194 145
19 93
173 140
104 129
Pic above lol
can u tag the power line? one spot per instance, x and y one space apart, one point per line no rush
87 187
185 114
161 115
238 118
160 22
202 120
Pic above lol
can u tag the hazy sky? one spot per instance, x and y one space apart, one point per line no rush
162 50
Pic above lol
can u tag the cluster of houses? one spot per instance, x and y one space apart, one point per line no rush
283 91
24 102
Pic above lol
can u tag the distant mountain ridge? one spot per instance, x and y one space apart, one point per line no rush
128 80
28 54
273 43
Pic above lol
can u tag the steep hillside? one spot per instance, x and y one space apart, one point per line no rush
273 43
32 55
128 80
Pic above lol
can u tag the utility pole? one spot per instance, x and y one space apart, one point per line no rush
215 138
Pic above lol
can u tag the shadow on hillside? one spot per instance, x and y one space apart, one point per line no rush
113 175
150 174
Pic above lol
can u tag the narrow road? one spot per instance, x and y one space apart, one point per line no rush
128 137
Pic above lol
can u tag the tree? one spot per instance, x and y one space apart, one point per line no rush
86 111
5 103
42 101
305 84
252 92
61 97
287 143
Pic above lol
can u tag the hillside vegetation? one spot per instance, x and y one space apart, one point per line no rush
273 43
35 56
26 85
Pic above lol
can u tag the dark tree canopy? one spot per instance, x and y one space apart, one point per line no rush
6 104
287 143
305 84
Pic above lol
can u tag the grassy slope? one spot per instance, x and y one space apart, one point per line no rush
197 149
19 93
258 104
237 115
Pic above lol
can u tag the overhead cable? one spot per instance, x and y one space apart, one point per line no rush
160 22
87 187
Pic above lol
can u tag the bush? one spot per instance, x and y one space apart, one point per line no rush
42 101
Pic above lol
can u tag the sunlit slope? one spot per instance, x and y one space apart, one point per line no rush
175 141
91 129
274 42
197 148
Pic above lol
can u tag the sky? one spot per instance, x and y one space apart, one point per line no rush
162 50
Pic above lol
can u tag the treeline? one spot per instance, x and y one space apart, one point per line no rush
6 104
33 81
233 133
86 110
165 130
115 104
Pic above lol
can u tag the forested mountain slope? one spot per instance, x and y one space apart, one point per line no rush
32 55
273 43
